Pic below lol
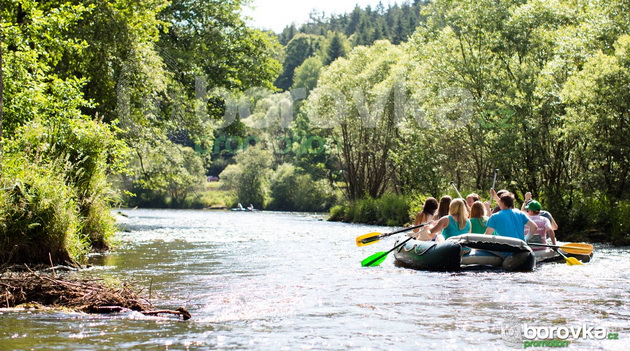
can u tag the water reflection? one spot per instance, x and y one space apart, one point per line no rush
258 280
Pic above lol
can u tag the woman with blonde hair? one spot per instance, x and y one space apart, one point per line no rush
478 218
456 223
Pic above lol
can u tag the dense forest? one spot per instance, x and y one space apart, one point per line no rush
119 102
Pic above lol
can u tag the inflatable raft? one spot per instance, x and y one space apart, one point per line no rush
549 255
467 251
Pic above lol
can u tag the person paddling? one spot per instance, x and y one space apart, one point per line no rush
509 221
546 214
456 223
544 226
478 218
427 215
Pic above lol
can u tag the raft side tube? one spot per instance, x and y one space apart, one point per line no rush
516 254
491 242
429 255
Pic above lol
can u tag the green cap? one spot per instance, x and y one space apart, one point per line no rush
533 206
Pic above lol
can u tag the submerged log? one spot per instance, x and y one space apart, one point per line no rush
89 296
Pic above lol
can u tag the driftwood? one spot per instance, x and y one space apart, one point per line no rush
89 296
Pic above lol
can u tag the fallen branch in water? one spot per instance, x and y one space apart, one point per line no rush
181 311
89 296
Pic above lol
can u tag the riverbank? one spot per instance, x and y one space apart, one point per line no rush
68 291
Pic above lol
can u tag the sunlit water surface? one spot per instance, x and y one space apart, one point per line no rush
287 281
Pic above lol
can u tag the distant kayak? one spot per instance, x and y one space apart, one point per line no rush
241 208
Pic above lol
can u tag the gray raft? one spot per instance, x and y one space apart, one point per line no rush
466 251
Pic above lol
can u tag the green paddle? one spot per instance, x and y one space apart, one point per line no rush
378 258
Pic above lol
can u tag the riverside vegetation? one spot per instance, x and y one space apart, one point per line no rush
116 103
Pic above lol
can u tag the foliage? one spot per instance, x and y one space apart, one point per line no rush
300 48
169 173
292 189
355 98
597 114
248 177
390 210
123 70
34 41
366 25
88 152
39 214
56 160
306 75
212 39
336 46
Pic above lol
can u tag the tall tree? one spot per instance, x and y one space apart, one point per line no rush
599 113
301 47
337 47
355 97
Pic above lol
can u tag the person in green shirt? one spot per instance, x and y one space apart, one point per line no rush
478 218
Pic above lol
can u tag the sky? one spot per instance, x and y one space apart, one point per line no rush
277 14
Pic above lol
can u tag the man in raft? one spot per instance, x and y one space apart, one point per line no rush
509 221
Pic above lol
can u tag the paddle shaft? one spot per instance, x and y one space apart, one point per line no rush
561 247
381 236
387 253
457 191
494 182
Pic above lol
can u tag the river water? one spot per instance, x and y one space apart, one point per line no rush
292 281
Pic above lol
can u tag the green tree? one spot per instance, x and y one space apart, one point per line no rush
307 74
248 177
598 112
301 47
172 171
336 47
124 73
355 98
292 189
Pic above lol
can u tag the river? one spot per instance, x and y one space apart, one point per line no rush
292 281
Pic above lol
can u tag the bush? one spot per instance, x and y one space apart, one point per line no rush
39 215
337 213
393 210
57 196
390 209
620 232
290 189
594 218
248 177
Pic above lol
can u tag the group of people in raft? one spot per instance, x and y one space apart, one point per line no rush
455 217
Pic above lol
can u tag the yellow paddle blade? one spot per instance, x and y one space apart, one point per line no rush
572 261
578 248
368 239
